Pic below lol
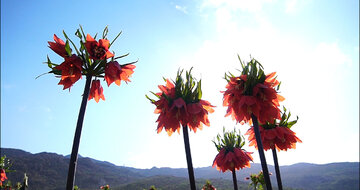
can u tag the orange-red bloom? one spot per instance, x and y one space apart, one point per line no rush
263 101
175 111
97 50
96 91
229 160
114 72
70 71
2 176
281 138
58 46
106 187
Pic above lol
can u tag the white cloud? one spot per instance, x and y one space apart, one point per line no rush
290 6
329 54
245 5
181 8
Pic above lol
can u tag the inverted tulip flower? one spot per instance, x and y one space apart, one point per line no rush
114 72
58 47
92 59
231 156
70 71
252 93
98 50
276 135
96 91
179 104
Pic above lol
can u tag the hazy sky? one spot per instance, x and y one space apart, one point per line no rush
312 45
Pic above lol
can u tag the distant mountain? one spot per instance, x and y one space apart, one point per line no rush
49 171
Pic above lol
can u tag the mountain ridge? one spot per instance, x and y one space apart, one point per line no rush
50 169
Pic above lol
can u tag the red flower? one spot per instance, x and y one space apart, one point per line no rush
96 91
229 160
58 47
263 102
97 50
282 138
70 71
114 72
2 176
175 111
106 187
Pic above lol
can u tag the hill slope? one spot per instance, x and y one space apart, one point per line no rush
49 171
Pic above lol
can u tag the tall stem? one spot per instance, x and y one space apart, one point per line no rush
261 152
188 158
76 142
234 179
277 169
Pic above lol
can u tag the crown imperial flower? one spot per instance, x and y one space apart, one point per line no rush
180 102
231 156
276 135
252 92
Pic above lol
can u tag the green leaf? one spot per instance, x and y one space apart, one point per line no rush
105 32
115 38
67 48
122 56
78 34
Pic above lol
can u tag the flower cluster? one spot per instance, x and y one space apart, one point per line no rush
105 187
5 183
252 92
208 186
231 156
180 102
93 59
276 135
257 180
2 176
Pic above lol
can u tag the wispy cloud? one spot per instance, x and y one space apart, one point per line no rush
181 8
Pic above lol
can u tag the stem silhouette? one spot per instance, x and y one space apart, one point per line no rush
261 152
188 158
76 142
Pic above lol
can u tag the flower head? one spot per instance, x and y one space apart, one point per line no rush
276 135
114 72
180 102
231 156
252 92
2 176
58 46
208 186
70 71
97 50
106 187
96 91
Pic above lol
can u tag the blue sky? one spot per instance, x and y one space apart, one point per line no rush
312 45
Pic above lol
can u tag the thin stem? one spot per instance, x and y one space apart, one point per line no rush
277 169
188 158
261 152
234 179
76 142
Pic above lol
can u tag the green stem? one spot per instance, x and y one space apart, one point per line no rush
76 142
188 158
